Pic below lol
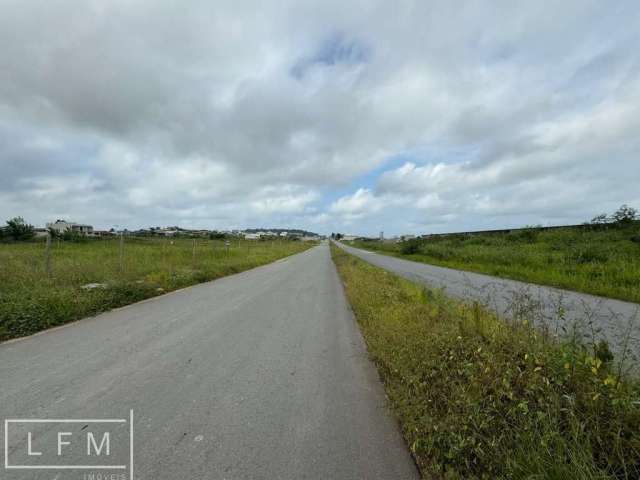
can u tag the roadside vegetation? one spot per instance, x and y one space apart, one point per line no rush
601 258
482 398
86 276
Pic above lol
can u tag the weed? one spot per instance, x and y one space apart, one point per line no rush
481 398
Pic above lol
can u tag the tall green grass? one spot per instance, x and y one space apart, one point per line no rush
600 260
478 398
31 300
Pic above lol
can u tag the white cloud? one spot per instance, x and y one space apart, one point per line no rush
360 203
247 113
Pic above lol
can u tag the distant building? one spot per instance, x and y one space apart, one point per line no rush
252 236
61 226
349 238
103 233
166 232
404 238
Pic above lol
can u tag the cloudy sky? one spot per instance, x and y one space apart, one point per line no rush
359 116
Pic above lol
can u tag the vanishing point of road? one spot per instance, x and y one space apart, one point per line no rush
259 375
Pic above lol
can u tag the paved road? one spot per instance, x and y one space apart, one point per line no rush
612 318
260 375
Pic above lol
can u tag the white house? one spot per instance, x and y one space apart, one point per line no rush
61 226
252 236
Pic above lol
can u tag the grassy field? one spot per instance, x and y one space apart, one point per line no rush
480 398
32 300
600 261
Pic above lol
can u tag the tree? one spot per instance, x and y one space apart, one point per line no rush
600 219
73 236
625 215
19 230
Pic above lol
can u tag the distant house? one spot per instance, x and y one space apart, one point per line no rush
252 236
61 226
103 233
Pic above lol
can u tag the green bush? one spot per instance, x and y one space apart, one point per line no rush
73 236
529 235
409 247
17 229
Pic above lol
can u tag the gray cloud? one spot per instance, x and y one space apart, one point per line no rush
241 113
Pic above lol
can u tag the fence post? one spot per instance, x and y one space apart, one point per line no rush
194 252
47 254
121 252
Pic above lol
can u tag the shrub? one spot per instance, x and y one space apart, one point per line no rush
410 247
527 235
18 229
625 215
73 236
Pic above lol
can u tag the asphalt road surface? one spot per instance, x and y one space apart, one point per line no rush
260 375
563 312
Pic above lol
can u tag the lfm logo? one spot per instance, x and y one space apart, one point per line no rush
99 445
